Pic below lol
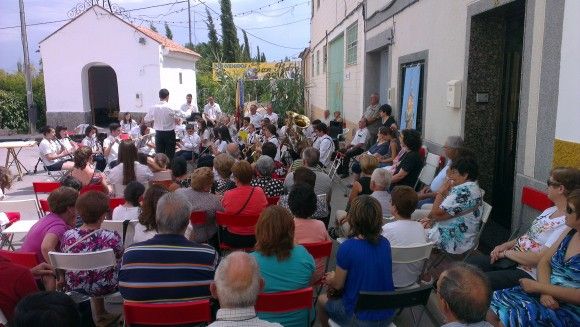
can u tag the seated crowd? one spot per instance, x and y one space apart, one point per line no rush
248 175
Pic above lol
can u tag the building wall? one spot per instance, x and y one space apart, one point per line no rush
439 28
171 67
567 140
329 21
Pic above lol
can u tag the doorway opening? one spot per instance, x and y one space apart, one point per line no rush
103 95
492 106
335 75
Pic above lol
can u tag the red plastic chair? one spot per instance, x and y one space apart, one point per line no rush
319 250
44 188
12 217
225 220
198 217
43 203
288 301
167 314
93 187
535 199
26 259
273 200
115 202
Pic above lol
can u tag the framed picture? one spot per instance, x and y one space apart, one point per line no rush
410 101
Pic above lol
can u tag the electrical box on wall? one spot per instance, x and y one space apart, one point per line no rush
454 94
391 95
139 99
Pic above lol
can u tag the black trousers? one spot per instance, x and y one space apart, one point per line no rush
348 155
498 278
165 143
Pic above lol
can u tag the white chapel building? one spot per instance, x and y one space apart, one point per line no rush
99 66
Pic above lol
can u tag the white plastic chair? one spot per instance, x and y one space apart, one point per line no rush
117 226
82 261
428 171
412 254
484 218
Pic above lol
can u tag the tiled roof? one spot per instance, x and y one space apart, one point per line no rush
166 42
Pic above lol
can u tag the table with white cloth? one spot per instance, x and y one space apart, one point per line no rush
18 227
13 149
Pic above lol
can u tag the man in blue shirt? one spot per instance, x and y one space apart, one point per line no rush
168 267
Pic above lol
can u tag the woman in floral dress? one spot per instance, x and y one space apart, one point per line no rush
553 300
455 217
93 207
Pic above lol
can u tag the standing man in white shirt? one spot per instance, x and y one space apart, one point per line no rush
211 111
163 117
111 144
324 144
372 117
270 114
356 147
255 117
189 108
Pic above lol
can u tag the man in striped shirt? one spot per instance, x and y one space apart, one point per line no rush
168 267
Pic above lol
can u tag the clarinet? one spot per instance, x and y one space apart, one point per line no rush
63 148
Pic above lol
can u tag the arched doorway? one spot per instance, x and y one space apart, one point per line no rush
103 95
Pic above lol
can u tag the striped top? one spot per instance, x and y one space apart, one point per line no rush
167 268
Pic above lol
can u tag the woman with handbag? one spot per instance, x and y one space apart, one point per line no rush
518 258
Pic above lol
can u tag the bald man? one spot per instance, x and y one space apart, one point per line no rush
464 296
236 285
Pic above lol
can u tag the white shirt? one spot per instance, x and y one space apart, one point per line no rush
274 140
360 137
212 112
135 131
405 232
220 145
384 199
191 142
325 145
92 143
240 317
188 109
67 144
112 142
206 135
141 234
256 120
47 147
142 173
163 116
122 213
127 127
273 118
439 180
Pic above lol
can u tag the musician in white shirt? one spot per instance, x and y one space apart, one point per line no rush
269 132
128 123
92 142
270 114
163 117
63 139
212 110
111 144
145 143
255 117
188 107
324 144
189 145
52 154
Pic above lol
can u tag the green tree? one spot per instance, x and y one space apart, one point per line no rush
230 42
263 57
214 43
152 27
246 56
168 32
257 59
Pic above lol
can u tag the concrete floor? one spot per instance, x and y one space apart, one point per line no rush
22 190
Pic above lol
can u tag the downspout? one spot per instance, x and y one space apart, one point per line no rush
326 71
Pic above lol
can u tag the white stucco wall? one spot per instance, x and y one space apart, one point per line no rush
171 66
568 96
437 26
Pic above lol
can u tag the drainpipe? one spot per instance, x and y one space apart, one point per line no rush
326 70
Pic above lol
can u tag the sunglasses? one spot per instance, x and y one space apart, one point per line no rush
552 183
569 210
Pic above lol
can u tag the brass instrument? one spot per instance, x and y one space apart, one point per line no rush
295 137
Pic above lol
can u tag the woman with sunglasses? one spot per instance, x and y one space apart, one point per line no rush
518 258
554 299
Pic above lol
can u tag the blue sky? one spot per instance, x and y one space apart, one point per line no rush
260 17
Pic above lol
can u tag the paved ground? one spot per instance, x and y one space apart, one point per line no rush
22 190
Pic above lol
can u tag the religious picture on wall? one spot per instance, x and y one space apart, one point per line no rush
410 97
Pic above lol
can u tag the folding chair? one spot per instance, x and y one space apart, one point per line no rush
412 254
167 314
12 218
125 229
115 202
44 188
319 250
198 217
429 170
332 172
26 259
287 301
82 261
371 301
224 220
273 200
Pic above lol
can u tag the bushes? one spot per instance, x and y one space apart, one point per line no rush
13 112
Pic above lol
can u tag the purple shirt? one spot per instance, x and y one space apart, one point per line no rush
51 223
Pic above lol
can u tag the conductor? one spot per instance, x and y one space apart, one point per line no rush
163 117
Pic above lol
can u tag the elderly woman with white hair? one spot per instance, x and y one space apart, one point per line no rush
264 169
380 183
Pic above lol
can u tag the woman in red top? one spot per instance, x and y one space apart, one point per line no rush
244 200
